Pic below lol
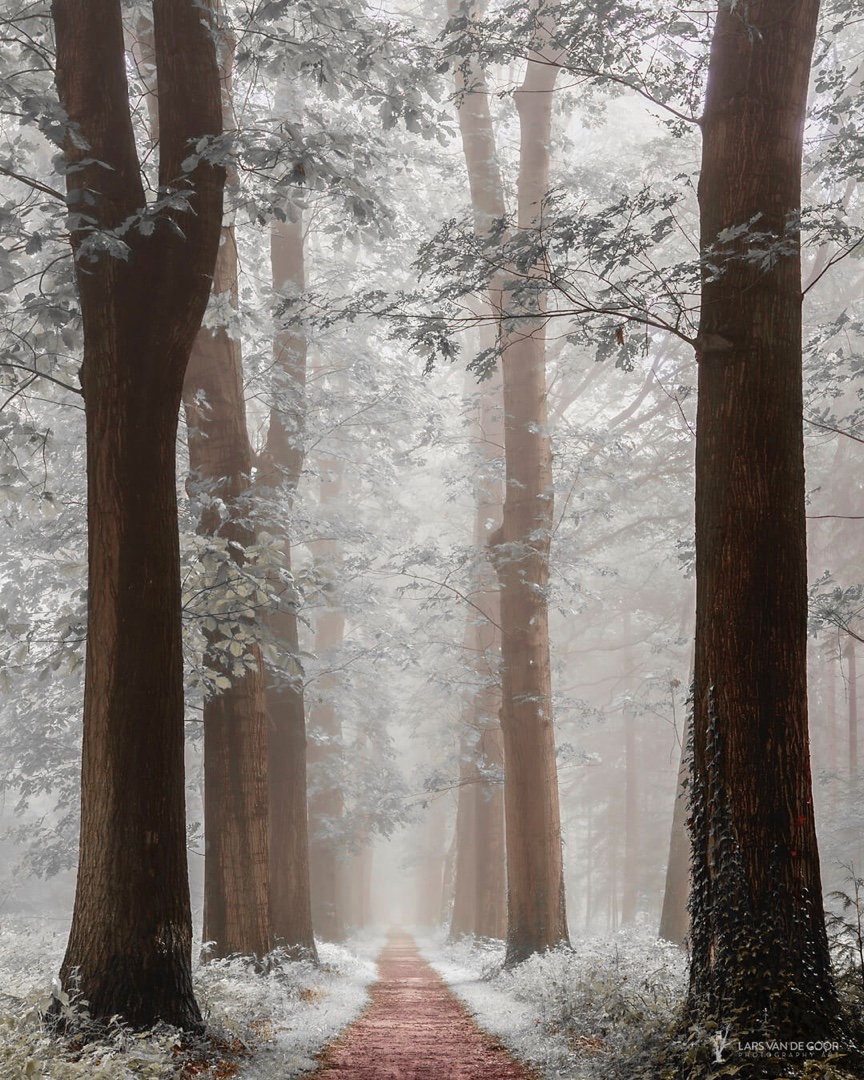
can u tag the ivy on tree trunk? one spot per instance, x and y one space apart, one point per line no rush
760 962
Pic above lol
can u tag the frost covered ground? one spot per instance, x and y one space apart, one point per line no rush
603 1010
266 1025
584 1014
576 1014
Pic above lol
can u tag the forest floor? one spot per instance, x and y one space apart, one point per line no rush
603 1009
573 1013
415 1028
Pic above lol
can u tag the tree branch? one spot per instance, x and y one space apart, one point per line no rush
35 184
42 375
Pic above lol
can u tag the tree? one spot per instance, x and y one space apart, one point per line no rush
236 809
536 917
143 276
280 466
519 549
760 955
236 825
479 895
479 886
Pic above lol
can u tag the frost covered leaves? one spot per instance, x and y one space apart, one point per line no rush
259 1026
581 1013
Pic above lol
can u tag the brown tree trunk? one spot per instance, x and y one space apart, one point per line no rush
236 823
280 467
479 898
130 942
479 883
491 914
760 962
535 879
236 826
480 873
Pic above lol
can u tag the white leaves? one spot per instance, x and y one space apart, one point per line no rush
222 314
58 993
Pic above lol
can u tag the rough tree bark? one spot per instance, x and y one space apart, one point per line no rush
279 470
236 815
130 942
479 874
479 896
520 550
236 822
236 826
760 963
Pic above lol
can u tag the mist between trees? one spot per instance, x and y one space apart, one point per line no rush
404 425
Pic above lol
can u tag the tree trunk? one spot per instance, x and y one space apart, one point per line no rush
760 962
520 549
236 828
479 902
491 914
236 824
130 942
535 880
279 474
479 897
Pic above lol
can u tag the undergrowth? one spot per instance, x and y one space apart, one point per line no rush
611 1006
244 1010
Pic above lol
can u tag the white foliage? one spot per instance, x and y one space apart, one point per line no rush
569 1012
284 1017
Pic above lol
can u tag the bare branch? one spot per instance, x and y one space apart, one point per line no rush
35 184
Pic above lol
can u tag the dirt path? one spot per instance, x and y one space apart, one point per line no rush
413 1029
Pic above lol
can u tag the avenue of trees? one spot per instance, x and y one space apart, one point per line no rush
360 374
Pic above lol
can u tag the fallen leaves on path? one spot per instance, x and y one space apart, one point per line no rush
415 1029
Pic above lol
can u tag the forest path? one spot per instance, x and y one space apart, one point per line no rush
414 1028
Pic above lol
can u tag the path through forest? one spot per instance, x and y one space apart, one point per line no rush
415 1028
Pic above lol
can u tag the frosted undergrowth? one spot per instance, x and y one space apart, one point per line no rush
277 1021
580 1013
331 998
